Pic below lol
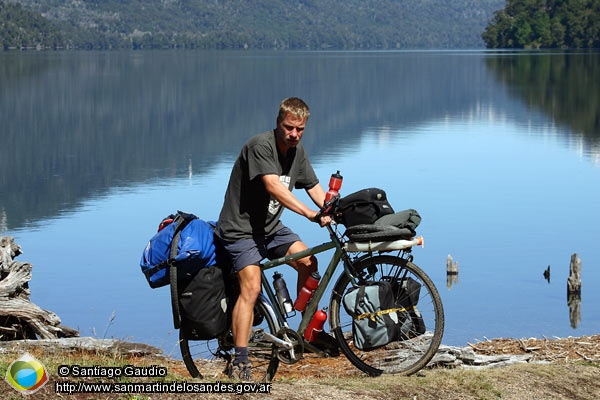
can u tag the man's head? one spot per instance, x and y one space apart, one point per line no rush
295 107
293 114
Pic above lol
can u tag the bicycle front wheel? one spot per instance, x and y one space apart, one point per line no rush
211 357
420 338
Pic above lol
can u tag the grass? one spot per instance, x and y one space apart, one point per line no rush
521 381
82 363
579 380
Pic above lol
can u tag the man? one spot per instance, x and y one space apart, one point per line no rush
269 166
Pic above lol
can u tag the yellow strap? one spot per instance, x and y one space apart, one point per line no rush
376 314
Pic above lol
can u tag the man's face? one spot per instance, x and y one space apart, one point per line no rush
289 132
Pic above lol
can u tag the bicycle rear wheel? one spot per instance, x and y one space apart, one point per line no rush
212 356
415 350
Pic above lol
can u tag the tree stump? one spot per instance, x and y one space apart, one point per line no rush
574 280
451 272
19 317
574 291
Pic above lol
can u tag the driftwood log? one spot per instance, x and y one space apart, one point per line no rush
19 317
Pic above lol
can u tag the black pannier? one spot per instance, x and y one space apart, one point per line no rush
363 207
206 301
406 293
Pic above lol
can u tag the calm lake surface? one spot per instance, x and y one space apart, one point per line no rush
498 151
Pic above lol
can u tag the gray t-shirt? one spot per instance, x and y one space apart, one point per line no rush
248 208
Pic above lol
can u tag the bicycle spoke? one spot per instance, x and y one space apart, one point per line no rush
211 357
422 325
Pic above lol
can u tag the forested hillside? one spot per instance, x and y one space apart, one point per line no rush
22 28
545 24
280 24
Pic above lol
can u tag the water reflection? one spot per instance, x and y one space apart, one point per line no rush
80 123
565 86
574 303
75 124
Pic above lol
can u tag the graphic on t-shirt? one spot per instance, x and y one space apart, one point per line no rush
274 204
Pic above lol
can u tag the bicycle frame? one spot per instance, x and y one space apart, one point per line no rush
326 277
341 254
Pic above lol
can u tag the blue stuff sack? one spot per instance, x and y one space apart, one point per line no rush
183 240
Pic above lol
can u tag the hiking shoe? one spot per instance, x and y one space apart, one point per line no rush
241 371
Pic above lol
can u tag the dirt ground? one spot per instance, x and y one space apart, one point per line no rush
567 368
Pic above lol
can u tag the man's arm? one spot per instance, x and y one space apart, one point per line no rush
317 194
287 199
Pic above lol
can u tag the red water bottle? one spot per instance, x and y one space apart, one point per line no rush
335 184
307 291
316 325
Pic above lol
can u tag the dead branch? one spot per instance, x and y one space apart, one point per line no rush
19 317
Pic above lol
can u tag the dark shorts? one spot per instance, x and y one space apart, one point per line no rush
252 251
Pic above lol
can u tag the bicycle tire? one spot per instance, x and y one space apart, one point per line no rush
212 356
403 357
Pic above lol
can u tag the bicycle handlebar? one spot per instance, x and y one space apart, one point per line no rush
327 208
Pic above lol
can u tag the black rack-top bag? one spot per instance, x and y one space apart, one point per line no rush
369 216
363 207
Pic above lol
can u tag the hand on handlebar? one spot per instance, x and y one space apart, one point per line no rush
321 219
323 216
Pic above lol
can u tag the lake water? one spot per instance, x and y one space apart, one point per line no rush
498 151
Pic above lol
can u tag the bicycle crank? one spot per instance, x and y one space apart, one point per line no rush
292 352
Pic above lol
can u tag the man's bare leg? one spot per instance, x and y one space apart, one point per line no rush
243 312
305 266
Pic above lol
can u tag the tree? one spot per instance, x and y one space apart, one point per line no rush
340 24
20 28
544 23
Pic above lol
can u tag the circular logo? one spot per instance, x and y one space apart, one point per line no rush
26 374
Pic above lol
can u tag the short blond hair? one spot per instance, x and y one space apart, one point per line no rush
294 106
